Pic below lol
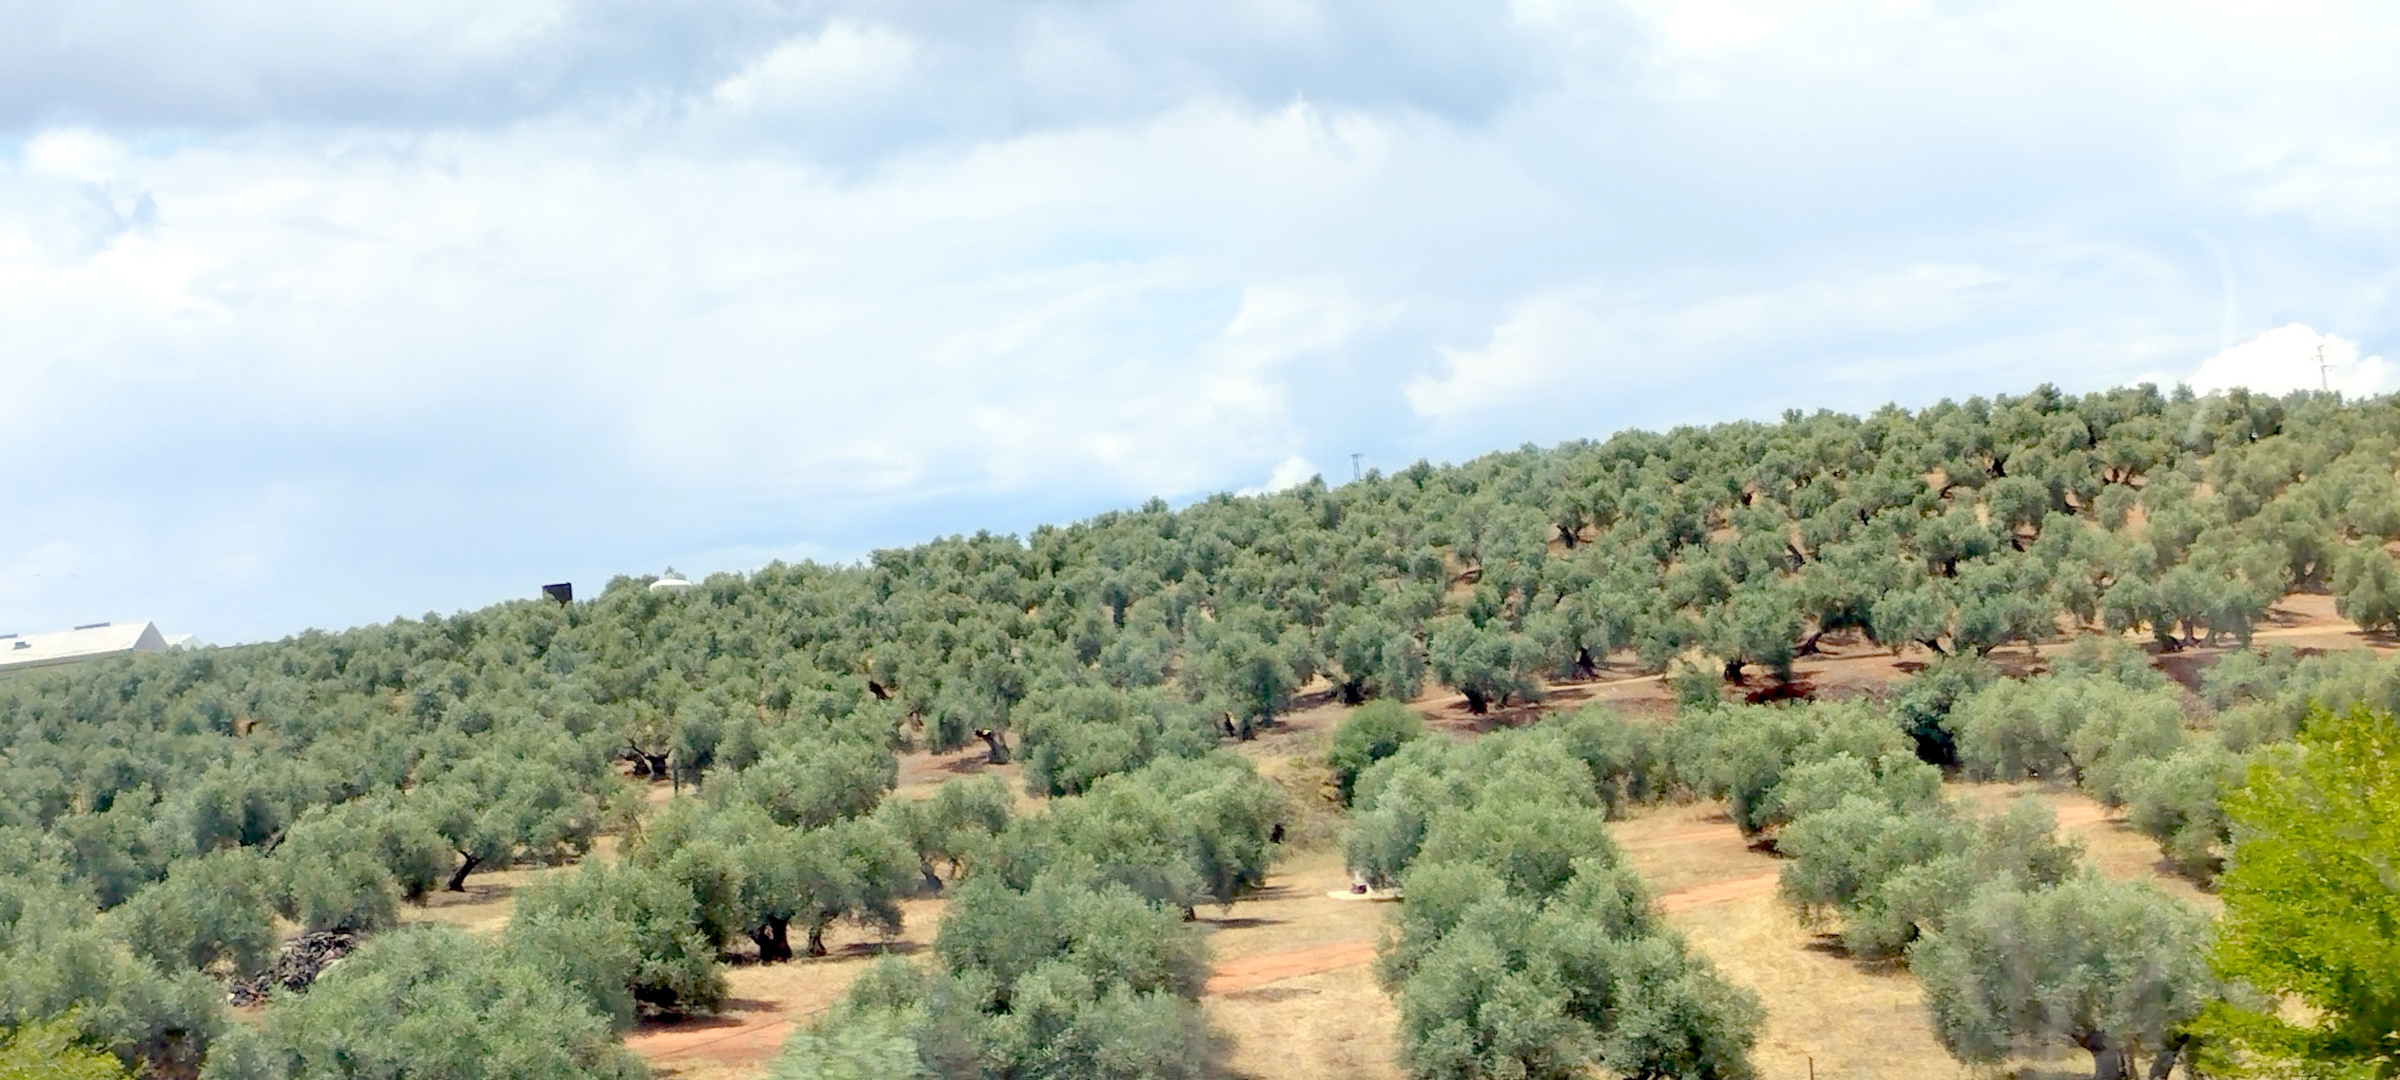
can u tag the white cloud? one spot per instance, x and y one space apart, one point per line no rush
2288 358
844 64
1538 342
1628 342
1290 473
78 154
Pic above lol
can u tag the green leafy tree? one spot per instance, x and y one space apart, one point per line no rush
54 1051
2310 903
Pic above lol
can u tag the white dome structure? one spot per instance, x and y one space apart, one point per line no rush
670 583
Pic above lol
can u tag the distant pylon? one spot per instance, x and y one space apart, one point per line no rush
2324 381
1354 473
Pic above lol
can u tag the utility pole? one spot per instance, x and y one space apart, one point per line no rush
1354 473
2324 381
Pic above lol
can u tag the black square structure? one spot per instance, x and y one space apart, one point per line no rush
563 592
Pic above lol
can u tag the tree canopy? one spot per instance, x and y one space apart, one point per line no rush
2312 902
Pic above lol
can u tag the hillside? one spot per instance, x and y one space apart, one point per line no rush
1070 784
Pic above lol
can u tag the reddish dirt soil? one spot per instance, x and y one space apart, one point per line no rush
738 1039
1237 975
1720 892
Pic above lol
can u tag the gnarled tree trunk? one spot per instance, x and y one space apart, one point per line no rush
995 744
774 940
2109 1061
466 865
2168 1055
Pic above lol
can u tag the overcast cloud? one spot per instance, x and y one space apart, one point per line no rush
317 313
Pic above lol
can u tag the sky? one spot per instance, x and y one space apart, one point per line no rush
316 313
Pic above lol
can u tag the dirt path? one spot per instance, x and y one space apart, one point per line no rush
1827 1015
1720 892
735 1044
1234 976
1243 974
1294 982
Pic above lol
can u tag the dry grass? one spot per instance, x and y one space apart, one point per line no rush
1849 1018
2109 844
1827 1014
1337 1025
1326 1017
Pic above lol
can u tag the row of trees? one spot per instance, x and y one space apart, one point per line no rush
1069 950
1524 946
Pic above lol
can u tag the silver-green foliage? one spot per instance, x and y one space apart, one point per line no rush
1524 948
429 1001
2115 968
2089 730
625 936
1890 873
1065 978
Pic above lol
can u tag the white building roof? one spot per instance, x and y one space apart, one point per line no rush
82 643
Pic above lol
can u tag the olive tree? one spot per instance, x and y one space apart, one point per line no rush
429 1001
655 957
1060 978
953 827
1366 735
2115 968
58 959
1487 664
214 910
2178 801
2367 588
